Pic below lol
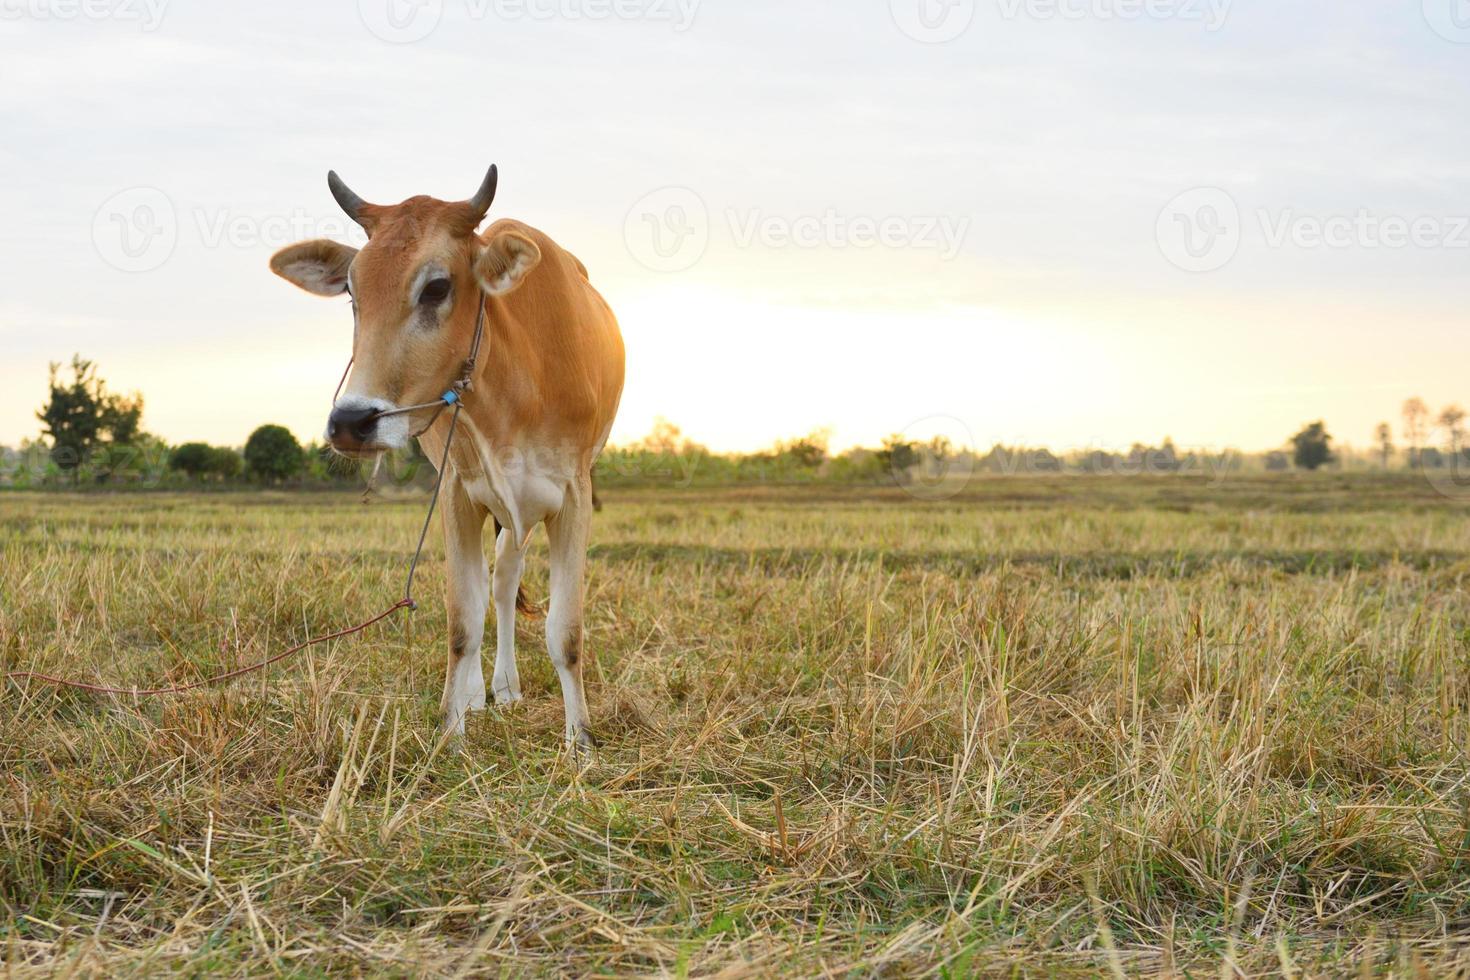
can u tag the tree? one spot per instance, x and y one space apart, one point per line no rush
122 419
1414 412
808 452
1312 447
1384 437
1453 420
272 453
81 415
897 457
193 458
1148 459
224 462
665 438
200 459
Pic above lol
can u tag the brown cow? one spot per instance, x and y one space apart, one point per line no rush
545 390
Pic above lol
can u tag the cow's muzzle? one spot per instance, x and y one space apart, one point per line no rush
353 429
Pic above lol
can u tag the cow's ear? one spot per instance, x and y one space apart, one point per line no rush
317 266
505 262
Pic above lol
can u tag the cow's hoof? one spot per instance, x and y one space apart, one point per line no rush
583 744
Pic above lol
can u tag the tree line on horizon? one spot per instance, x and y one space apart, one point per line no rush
91 435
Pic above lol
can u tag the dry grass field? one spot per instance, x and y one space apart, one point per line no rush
1070 726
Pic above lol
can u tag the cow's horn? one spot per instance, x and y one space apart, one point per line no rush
350 202
485 196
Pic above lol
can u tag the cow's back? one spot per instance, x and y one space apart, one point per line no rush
555 362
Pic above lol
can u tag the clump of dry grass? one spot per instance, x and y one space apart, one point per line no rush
1159 728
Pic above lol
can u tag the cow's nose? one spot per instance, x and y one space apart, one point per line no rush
352 425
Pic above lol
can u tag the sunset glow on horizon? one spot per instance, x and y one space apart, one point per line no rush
1073 231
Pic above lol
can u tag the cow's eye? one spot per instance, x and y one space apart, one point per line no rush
434 292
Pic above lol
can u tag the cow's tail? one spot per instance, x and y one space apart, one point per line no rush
524 605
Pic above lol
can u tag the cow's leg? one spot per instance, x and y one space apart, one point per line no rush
466 598
510 561
567 534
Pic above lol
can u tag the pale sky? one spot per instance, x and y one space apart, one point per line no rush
1064 222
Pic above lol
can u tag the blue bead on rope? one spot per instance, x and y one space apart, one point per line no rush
450 397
